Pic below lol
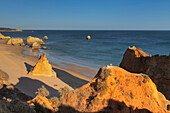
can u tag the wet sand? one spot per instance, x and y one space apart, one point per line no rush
17 65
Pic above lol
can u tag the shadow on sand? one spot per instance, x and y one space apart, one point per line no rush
69 79
28 66
29 86
66 77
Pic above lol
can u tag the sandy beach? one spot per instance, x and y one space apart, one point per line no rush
17 65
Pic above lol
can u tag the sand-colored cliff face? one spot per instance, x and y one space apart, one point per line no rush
42 68
16 41
31 40
122 91
157 67
115 90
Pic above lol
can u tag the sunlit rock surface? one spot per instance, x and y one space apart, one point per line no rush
31 40
4 37
36 45
157 67
16 41
115 90
42 68
45 38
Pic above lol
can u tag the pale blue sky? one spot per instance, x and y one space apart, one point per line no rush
86 14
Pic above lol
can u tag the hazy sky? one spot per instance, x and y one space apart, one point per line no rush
85 14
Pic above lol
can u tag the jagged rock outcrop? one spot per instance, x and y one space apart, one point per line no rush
157 67
45 38
16 41
42 68
31 40
120 89
115 90
42 101
36 45
4 37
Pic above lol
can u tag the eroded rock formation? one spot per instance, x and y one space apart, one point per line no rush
4 37
31 40
45 38
36 45
157 67
44 47
42 68
16 41
42 101
115 90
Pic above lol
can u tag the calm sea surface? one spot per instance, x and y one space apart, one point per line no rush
105 47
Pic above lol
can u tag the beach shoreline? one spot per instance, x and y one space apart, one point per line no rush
17 65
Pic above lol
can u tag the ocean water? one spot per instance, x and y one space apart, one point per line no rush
105 47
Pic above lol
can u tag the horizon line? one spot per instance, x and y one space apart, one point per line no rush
99 29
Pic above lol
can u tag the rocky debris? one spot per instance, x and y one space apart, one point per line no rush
42 68
4 37
157 67
10 92
31 40
44 47
11 99
16 41
15 106
45 38
36 45
42 101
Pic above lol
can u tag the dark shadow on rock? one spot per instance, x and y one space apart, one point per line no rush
28 66
119 107
29 86
113 107
69 79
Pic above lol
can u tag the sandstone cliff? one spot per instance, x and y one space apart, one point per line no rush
31 40
157 67
16 41
42 68
115 90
